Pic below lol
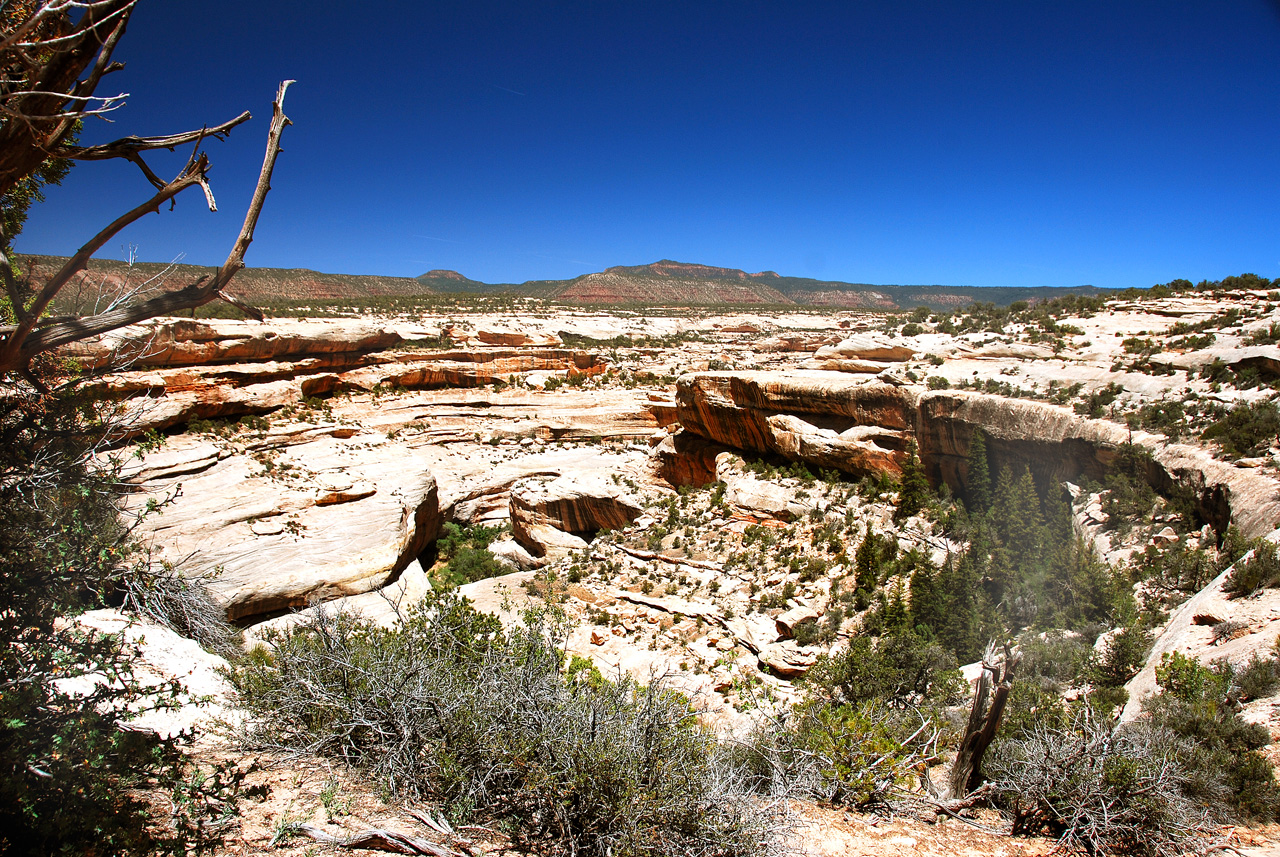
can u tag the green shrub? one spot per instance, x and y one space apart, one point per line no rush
1246 429
855 755
1175 567
1259 571
1100 788
1221 756
1095 404
899 670
1121 657
449 707
466 555
861 752
73 778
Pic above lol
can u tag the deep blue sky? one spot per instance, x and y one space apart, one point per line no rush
1022 142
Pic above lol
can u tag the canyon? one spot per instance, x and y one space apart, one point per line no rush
308 462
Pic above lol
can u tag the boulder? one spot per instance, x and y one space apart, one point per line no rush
831 364
859 449
512 553
792 342
163 656
866 346
1012 351
384 607
791 619
281 537
787 659
757 497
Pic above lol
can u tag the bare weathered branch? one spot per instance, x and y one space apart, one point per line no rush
126 147
62 62
28 316
279 121
20 342
69 330
382 840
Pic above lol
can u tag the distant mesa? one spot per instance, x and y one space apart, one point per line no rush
668 282
670 268
662 283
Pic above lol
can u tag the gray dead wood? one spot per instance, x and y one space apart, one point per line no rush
377 839
30 336
984 720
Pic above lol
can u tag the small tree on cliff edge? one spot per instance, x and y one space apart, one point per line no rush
72 775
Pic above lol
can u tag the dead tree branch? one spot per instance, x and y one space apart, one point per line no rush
984 719
20 342
382 840
130 148
50 65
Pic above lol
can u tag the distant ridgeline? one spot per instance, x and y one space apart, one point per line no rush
668 283
664 283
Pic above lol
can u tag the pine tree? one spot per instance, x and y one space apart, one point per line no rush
915 492
896 616
1018 521
978 493
866 574
926 602
961 628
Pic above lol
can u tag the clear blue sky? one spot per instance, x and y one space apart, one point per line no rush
1020 142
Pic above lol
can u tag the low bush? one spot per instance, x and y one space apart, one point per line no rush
1259 571
1120 657
899 670
74 779
466 555
1199 704
448 706
1258 678
853 755
161 594
1049 666
1099 788
1246 429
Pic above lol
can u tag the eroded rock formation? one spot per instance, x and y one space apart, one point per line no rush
278 526
185 370
830 419
557 515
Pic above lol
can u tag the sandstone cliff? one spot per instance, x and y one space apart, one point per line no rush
860 426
